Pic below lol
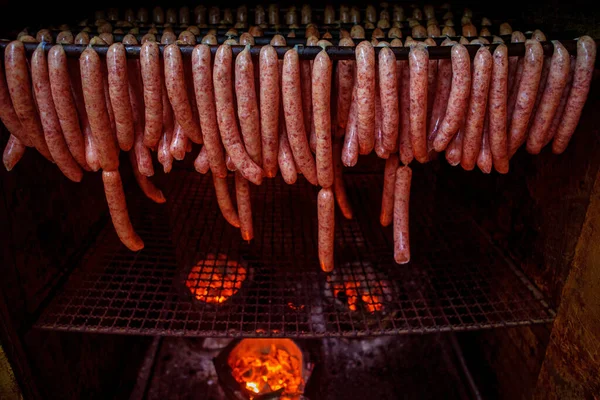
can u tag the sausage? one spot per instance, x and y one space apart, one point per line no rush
60 85
528 86
484 160
247 104
65 37
164 153
226 117
224 201
305 14
242 194
326 236
7 112
380 150
118 84
365 96
442 93
538 35
497 109
344 82
357 32
13 152
149 189
178 96
306 82
269 109
431 79
505 29
201 163
433 31
294 121
285 157
513 64
558 116
321 94
179 143
202 73
115 197
404 141
338 183
95 105
388 91
142 153
401 205
91 150
459 96
51 126
418 62
151 78
469 30
558 75
584 69
350 147
19 86
389 183
473 130
454 150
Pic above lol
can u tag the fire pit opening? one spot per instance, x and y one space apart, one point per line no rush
215 279
268 367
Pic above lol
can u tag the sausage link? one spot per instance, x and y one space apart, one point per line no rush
516 37
344 82
19 86
338 183
202 73
178 95
388 91
51 126
442 93
389 183
497 109
91 150
365 96
164 153
149 189
7 112
95 105
13 152
151 78
404 142
558 116
431 79
473 129
418 62
326 218
380 150
226 117
401 214
242 194
557 80
178 143
540 92
60 85
247 104
201 163
306 82
584 69
230 165
269 109
118 85
528 86
285 156
224 201
292 106
459 96
321 94
350 147
484 160
115 197
142 153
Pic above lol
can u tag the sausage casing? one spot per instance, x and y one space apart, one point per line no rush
326 235
389 183
401 213
418 62
321 94
497 109
365 96
269 109
118 85
242 194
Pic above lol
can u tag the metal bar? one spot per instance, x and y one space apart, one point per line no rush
310 52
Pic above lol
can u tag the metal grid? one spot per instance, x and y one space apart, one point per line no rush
456 281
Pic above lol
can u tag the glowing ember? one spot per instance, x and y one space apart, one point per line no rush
361 286
215 279
267 368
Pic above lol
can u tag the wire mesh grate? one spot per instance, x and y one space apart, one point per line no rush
273 286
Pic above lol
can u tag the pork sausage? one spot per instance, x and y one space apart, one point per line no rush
389 183
497 109
149 189
242 194
321 94
247 104
326 218
401 214
13 152
338 183
269 109
388 91
151 78
418 63
365 96
118 85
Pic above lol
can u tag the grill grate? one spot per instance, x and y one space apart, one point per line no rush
456 281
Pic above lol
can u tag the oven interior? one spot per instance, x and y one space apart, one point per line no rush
499 263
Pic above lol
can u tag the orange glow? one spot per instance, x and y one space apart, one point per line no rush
360 289
263 373
214 280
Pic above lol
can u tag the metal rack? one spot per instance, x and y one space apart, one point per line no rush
456 281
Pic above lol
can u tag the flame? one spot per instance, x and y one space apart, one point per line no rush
214 280
360 288
269 372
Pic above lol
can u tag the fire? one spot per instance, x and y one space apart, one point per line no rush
215 279
267 369
361 287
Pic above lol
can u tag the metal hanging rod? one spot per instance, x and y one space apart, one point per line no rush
310 52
